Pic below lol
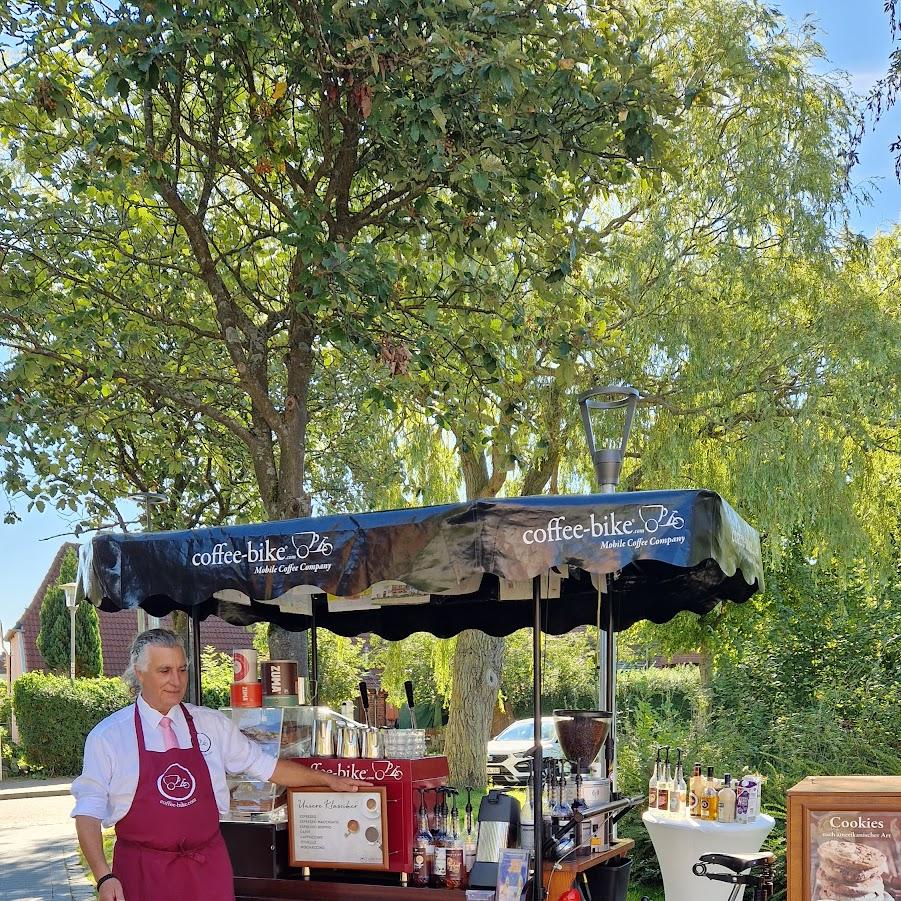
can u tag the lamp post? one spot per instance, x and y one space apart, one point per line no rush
607 414
149 499
70 589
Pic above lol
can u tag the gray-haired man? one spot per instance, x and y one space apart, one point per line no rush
156 770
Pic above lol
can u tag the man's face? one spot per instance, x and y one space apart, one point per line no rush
165 679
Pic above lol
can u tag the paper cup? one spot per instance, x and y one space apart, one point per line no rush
244 665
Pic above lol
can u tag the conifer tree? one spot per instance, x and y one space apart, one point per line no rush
53 638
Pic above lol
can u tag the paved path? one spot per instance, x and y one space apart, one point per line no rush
38 856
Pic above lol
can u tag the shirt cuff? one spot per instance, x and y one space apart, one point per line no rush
263 768
90 807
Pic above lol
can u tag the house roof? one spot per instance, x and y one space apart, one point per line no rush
117 630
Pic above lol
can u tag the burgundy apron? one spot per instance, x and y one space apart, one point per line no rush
168 845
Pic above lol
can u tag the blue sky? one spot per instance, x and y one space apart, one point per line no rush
857 41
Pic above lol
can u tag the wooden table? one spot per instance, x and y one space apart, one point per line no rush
558 877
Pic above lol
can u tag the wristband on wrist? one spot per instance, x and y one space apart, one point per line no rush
103 879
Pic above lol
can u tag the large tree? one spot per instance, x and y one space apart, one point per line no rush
213 207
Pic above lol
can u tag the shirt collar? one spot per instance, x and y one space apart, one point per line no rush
152 716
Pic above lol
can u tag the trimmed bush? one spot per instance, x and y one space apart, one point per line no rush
55 715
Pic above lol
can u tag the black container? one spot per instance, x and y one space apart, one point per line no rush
610 881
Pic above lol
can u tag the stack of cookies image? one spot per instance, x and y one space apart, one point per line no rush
850 872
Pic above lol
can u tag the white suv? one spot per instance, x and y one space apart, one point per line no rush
508 763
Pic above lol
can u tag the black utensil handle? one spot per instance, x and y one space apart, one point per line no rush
408 688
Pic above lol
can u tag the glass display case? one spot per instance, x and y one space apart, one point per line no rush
281 732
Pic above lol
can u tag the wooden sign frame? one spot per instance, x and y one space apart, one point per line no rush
349 814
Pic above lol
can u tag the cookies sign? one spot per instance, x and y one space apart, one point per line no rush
855 855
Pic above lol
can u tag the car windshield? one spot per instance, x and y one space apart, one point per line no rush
521 730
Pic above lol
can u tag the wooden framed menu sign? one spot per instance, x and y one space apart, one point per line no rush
345 830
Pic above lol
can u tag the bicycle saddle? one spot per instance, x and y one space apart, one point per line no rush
738 863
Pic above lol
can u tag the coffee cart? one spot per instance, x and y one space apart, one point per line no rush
551 563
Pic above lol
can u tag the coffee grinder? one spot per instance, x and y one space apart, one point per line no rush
498 829
582 734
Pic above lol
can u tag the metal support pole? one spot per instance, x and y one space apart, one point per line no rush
72 611
537 759
609 696
313 658
195 690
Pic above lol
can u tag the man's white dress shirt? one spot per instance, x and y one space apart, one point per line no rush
109 780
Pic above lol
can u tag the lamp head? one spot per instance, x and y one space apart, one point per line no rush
71 591
607 455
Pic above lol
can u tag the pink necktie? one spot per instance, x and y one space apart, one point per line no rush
169 739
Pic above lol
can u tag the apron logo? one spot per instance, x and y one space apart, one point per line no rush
176 783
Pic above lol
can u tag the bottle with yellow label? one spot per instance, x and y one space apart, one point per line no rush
695 792
710 798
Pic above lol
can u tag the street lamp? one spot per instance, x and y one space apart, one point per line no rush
149 499
71 589
607 439
607 434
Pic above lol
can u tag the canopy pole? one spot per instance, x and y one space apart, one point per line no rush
537 758
609 696
195 693
313 656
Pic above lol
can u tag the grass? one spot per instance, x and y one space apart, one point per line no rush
637 892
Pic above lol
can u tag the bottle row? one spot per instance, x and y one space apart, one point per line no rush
705 797
442 857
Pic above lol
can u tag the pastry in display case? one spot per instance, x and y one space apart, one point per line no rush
280 732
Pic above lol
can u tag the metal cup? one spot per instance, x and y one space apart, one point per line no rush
324 744
372 744
348 742
306 690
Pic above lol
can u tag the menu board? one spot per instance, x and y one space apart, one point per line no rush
338 829
855 854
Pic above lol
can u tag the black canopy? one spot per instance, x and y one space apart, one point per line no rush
442 569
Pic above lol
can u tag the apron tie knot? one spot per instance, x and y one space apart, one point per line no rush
191 853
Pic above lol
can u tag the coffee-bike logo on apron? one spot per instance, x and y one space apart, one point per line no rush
176 783
272 555
636 531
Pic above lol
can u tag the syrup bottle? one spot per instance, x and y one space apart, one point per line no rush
423 847
442 840
456 869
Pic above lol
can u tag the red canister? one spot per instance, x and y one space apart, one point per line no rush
247 694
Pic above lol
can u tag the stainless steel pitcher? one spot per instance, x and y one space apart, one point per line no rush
348 742
324 744
372 744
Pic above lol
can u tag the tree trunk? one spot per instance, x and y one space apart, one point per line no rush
478 658
476 676
285 645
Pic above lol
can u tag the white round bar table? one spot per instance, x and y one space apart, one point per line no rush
678 842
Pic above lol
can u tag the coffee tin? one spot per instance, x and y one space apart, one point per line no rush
244 665
279 677
247 694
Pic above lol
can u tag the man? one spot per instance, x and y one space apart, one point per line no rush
156 770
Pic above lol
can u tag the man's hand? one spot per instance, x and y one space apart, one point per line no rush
343 784
295 775
111 890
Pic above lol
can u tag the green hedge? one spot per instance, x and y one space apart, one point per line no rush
55 715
